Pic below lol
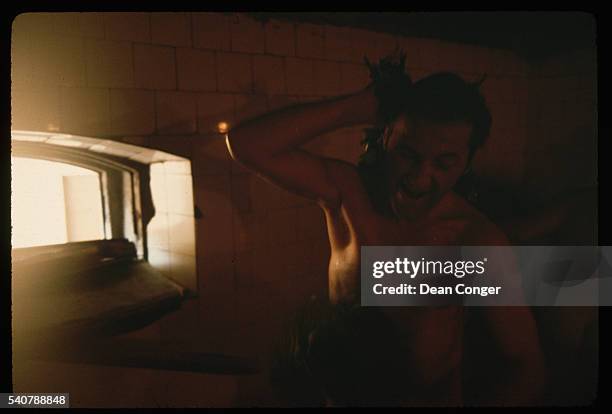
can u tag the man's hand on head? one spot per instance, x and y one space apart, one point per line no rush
391 84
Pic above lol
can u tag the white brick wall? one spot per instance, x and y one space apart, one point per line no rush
172 29
85 111
196 69
127 26
310 41
59 60
211 31
37 109
337 43
110 63
154 67
280 38
300 76
269 75
353 77
327 78
176 112
132 111
91 25
247 34
234 72
214 201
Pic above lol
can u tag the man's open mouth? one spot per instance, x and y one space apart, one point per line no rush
405 192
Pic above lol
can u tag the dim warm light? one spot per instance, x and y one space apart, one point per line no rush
52 127
223 127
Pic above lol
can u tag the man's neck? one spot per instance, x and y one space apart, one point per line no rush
447 205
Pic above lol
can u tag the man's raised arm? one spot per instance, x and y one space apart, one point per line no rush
270 145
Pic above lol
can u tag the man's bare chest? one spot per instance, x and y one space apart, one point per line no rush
387 232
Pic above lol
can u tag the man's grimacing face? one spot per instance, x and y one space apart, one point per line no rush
425 160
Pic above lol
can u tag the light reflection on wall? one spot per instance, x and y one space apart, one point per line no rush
53 203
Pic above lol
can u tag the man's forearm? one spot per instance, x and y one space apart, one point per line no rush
289 128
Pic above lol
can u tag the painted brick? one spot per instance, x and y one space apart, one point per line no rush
85 111
300 76
234 72
247 34
241 196
36 109
211 31
109 64
310 40
58 60
269 74
155 67
353 77
327 78
214 229
363 44
132 111
176 112
251 230
92 25
68 23
280 38
283 227
310 223
35 24
196 70
180 196
173 29
127 26
337 43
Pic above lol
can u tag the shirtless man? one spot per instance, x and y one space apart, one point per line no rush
426 150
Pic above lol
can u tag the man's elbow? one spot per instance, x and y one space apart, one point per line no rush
235 149
241 152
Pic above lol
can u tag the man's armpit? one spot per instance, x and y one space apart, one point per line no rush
346 179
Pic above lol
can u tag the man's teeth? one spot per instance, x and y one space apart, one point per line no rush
407 193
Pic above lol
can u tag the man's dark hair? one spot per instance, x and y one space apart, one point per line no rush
445 97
